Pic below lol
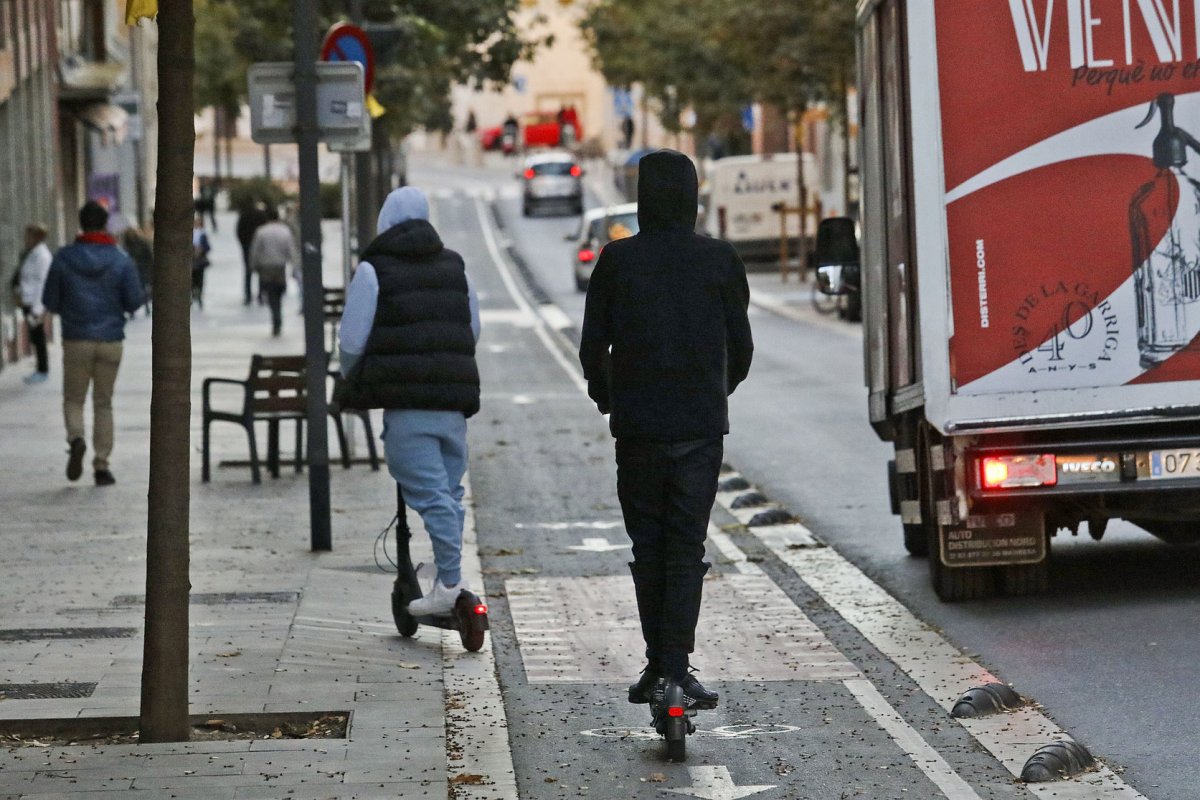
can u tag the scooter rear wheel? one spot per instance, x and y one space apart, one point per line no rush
406 623
677 739
471 624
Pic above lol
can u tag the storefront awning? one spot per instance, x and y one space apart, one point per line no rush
89 80
112 122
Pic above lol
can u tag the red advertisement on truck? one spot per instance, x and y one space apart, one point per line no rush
1072 192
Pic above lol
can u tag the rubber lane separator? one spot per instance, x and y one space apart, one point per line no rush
938 668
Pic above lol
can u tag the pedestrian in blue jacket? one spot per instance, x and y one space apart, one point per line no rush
92 285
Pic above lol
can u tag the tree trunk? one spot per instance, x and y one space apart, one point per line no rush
164 710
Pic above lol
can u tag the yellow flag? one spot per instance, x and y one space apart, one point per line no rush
136 9
374 107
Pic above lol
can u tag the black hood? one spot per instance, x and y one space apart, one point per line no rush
668 192
415 238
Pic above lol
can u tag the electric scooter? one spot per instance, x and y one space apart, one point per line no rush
672 717
469 615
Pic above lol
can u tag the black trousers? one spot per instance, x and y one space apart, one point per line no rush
247 274
667 491
274 292
37 337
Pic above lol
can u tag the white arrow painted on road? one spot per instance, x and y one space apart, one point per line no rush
598 546
715 783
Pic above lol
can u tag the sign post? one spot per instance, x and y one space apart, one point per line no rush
308 136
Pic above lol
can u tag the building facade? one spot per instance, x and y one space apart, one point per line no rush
77 91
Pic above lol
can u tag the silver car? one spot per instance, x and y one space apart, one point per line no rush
598 227
553 178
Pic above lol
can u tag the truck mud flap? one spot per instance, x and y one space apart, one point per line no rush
991 540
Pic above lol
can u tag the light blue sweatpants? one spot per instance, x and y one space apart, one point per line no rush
427 455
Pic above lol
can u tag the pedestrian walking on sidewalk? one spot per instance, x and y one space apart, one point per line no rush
272 249
31 281
408 334
251 218
139 244
200 261
665 341
91 285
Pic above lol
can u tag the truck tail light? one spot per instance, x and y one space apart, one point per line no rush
586 255
576 171
1007 472
529 174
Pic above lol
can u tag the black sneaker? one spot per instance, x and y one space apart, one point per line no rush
642 691
75 461
104 478
695 695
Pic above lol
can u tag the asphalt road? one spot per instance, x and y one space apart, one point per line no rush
1108 652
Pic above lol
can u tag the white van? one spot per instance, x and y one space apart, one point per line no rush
739 192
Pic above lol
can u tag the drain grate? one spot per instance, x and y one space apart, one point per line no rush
37 634
216 598
45 691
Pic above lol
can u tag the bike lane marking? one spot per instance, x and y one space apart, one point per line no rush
583 664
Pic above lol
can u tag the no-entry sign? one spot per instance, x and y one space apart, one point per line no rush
346 42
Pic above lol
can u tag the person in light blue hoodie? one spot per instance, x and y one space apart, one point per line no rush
407 345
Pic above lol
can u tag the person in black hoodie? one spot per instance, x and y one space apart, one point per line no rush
665 341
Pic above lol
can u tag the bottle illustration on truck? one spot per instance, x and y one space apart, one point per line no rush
1167 273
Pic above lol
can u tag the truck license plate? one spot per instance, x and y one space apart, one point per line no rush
1175 463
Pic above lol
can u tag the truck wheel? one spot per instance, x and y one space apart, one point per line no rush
1021 580
916 540
953 584
957 583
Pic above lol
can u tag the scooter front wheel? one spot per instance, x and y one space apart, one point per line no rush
406 623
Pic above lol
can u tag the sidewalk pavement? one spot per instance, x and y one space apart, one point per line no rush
274 626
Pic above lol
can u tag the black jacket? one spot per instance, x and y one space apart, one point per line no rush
665 334
421 351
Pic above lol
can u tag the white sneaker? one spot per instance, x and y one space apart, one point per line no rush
440 600
36 377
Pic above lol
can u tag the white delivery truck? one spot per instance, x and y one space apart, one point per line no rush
740 194
1031 275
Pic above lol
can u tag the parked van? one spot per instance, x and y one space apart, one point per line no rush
739 193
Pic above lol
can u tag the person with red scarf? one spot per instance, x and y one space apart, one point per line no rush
92 285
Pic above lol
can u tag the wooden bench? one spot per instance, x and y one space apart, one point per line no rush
275 391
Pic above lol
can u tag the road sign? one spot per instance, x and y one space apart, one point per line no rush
342 117
346 42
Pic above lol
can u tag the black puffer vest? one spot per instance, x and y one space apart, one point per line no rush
421 351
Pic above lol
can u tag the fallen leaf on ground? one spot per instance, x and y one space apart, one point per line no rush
230 654
474 780
657 777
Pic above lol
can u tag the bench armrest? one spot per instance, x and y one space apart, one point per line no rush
231 381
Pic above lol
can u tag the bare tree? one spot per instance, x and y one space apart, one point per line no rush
164 710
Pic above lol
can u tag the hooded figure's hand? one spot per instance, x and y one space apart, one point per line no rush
598 391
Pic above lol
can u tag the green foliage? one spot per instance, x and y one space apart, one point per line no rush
244 193
716 55
440 43
331 200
